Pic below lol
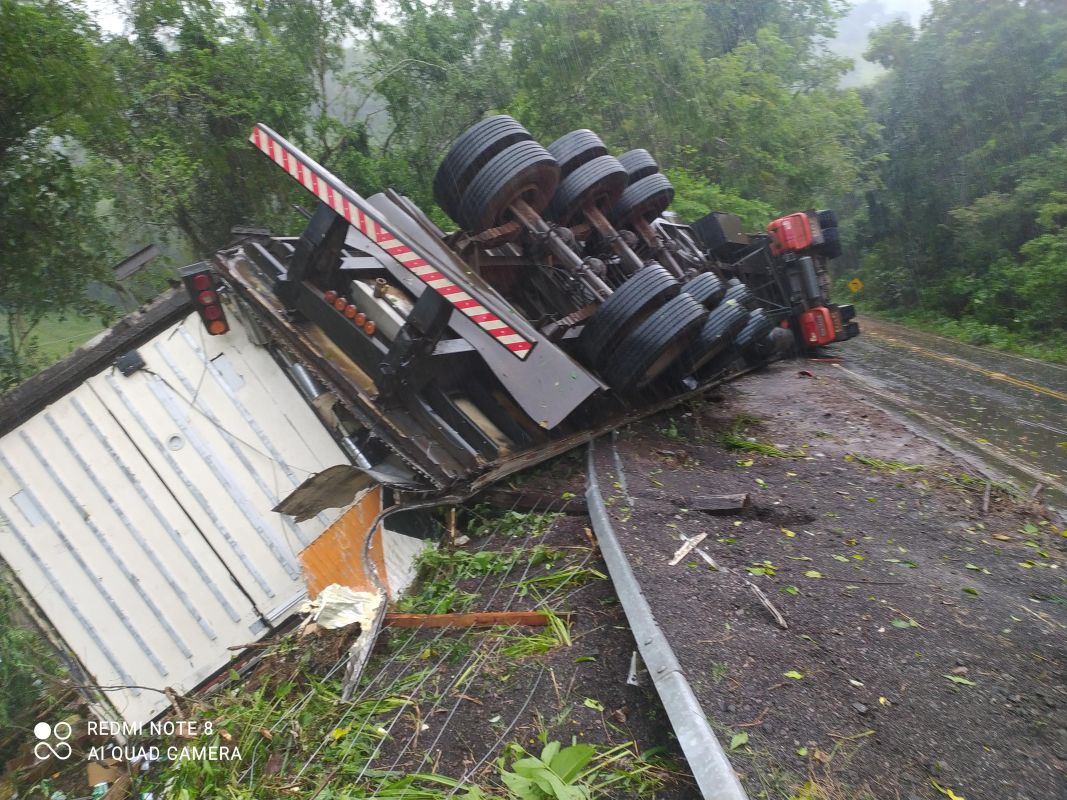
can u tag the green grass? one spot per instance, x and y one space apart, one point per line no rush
1045 347
884 465
737 438
57 338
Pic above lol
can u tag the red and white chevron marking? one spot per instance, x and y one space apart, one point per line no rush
330 190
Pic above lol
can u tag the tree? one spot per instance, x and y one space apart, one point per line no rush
439 67
195 79
54 88
742 95
970 219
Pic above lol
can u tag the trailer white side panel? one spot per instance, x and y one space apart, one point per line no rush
137 510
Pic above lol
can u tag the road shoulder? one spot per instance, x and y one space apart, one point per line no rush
925 635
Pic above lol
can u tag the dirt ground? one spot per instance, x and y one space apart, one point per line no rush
926 649
576 693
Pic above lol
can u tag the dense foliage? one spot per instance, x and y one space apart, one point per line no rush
54 91
26 664
951 165
970 222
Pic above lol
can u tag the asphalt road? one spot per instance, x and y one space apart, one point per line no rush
1008 410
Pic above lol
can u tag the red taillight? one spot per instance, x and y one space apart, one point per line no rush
340 303
200 284
330 296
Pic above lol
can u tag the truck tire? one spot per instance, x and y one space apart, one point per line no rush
655 344
716 336
576 148
648 198
741 294
831 243
706 289
827 218
599 183
474 148
639 164
757 328
628 305
524 170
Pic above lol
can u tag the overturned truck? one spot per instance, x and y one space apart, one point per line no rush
568 300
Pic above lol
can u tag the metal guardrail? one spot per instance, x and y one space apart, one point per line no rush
714 775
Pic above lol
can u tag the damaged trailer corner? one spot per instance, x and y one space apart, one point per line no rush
137 482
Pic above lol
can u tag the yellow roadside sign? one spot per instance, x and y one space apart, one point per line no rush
855 285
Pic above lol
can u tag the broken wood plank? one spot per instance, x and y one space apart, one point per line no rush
687 548
718 503
476 619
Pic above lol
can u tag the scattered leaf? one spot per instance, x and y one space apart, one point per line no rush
1001 537
745 462
789 533
960 681
882 701
856 683
813 573
802 752
970 590
738 740
904 623
761 483
951 795
592 703
794 674
840 558
790 590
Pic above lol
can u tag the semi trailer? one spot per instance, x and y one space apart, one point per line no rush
567 300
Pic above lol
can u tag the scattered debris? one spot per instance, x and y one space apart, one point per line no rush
338 606
687 548
717 504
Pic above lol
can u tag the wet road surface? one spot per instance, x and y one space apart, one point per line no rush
1009 410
